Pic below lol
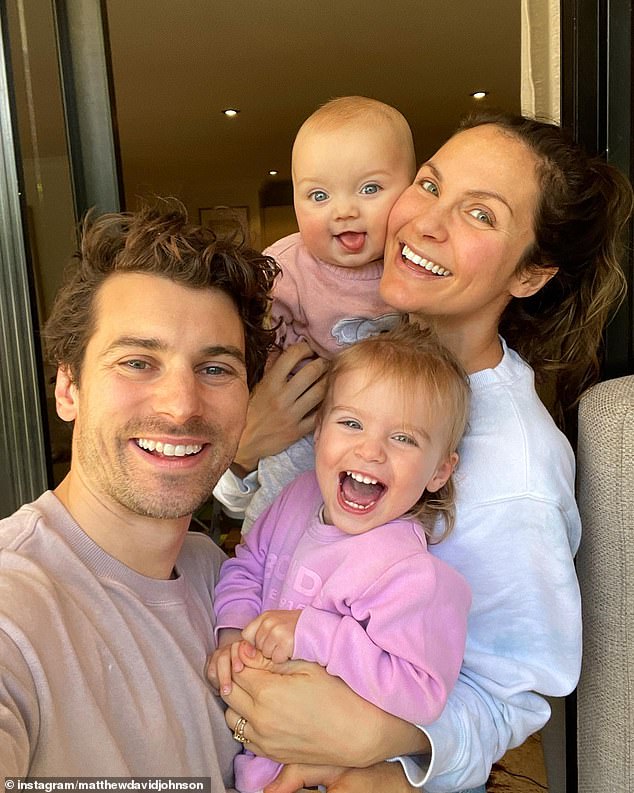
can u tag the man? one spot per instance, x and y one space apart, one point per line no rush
106 615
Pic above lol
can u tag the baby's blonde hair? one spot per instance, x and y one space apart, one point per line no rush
363 112
414 358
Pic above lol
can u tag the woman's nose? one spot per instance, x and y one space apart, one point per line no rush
432 221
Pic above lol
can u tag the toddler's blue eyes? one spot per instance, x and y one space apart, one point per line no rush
370 189
318 195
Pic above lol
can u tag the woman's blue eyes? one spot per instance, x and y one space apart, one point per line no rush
482 216
429 186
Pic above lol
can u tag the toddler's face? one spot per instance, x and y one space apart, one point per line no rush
377 450
345 183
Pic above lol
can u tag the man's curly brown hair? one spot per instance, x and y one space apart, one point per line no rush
159 240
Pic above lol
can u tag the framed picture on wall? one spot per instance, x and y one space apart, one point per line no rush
225 220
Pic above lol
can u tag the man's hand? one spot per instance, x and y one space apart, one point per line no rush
273 633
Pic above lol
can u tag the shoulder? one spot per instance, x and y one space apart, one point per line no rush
390 544
19 527
287 248
512 445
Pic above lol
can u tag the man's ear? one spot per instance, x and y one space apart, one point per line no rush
531 280
66 402
442 473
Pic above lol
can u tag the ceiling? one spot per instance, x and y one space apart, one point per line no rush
177 63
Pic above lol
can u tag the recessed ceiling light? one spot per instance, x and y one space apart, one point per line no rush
479 94
231 112
273 173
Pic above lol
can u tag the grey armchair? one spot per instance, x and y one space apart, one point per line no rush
605 564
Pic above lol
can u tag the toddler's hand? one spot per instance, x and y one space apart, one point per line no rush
273 633
225 661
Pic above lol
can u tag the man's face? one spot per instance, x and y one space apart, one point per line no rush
162 397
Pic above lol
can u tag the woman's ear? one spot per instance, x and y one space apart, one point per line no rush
66 395
531 280
442 473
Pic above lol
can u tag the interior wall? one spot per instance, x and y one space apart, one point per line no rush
541 58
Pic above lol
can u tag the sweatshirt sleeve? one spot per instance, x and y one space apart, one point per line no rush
238 594
403 643
19 710
524 637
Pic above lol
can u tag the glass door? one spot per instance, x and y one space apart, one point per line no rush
57 160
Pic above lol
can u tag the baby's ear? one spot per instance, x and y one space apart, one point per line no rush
66 395
531 280
442 473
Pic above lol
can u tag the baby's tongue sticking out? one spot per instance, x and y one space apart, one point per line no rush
352 240
359 493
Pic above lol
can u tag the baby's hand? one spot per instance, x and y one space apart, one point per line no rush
225 661
273 633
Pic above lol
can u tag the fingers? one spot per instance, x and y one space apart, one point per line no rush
223 664
280 408
270 635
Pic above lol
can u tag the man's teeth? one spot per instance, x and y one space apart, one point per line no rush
426 264
366 480
169 449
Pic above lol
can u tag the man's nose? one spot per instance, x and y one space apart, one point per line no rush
178 395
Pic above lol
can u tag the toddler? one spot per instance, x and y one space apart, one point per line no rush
337 570
351 160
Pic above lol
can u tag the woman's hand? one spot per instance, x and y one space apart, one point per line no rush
379 778
297 713
281 408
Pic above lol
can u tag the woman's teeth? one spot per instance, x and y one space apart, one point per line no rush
168 449
426 264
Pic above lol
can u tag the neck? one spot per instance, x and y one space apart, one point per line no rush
476 347
150 546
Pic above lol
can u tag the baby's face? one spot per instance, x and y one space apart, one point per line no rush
345 183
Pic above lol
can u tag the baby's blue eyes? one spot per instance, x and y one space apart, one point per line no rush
318 195
370 189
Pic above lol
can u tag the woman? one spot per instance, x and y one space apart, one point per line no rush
507 243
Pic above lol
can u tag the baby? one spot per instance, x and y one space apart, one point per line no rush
337 570
351 160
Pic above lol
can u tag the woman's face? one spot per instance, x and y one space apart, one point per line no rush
456 235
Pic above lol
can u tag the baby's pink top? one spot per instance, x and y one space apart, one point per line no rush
326 305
